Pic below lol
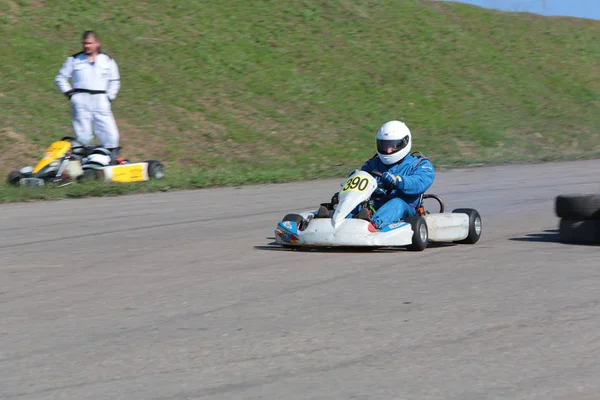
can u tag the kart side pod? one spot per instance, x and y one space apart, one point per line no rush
447 227
136 172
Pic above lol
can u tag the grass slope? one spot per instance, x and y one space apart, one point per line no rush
239 91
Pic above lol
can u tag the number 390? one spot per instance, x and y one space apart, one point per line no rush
356 183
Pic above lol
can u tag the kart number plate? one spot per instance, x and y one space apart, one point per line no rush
355 184
128 173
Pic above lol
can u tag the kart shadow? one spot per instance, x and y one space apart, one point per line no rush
274 246
547 236
305 249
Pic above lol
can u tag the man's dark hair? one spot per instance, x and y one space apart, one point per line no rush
88 34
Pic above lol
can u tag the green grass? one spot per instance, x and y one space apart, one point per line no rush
236 91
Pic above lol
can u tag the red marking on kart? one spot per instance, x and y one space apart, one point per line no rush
372 228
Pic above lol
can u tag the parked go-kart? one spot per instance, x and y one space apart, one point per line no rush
303 229
68 160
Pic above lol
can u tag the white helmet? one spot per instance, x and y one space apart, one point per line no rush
393 142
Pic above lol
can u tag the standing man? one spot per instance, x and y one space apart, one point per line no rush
96 82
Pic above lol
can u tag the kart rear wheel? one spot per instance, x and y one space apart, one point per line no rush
14 177
475 225
420 238
155 169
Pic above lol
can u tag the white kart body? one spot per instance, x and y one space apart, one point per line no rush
342 231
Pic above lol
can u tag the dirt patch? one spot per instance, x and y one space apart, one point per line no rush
17 152
12 13
139 143
465 148
355 9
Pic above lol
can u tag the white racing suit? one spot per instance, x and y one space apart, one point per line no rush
95 85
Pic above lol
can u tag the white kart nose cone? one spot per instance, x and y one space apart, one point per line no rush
26 170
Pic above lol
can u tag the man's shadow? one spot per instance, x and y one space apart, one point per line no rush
547 236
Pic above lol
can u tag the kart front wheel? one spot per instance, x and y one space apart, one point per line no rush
14 177
420 238
475 225
298 219
90 174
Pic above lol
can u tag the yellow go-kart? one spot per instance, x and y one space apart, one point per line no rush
67 160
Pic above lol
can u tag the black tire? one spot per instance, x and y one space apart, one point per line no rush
155 169
420 238
90 174
578 207
297 218
14 177
475 225
579 231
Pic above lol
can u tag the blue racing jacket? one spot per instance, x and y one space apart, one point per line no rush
417 175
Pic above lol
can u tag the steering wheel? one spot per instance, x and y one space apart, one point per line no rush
425 196
378 174
375 173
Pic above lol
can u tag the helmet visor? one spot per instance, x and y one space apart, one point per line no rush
385 146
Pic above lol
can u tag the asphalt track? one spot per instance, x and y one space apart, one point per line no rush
182 296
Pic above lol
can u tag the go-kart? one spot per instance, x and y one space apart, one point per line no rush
304 229
68 160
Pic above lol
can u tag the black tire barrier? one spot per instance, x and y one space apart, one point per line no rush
579 218
582 207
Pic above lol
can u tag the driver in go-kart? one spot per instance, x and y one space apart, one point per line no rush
404 178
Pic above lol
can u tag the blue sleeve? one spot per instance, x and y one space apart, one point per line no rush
420 179
367 166
370 165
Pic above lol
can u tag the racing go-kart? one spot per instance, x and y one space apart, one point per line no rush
68 160
303 229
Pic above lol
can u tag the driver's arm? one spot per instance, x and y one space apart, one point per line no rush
420 179
369 165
